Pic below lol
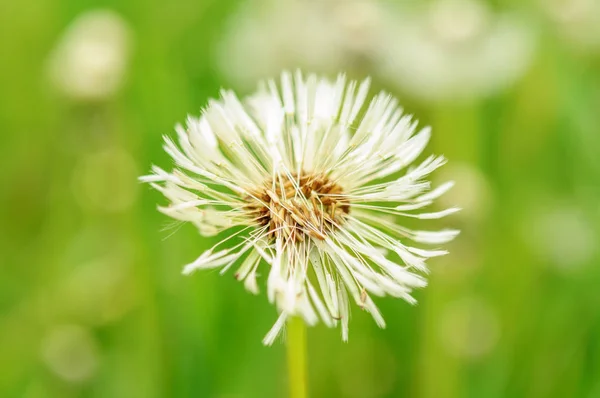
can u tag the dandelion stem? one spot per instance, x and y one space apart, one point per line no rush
296 353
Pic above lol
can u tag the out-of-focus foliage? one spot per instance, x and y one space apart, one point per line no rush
92 300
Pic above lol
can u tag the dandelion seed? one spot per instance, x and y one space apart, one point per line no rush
307 183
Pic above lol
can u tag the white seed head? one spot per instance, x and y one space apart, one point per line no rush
89 61
455 50
320 35
576 21
314 193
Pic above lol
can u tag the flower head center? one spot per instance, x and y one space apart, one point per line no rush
297 206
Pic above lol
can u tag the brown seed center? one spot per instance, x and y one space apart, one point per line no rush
294 207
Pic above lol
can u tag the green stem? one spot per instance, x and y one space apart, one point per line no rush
296 356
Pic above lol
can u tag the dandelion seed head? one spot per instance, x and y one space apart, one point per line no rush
459 50
577 22
458 21
312 176
89 62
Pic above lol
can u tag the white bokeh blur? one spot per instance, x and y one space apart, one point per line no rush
89 61
449 50
560 235
445 50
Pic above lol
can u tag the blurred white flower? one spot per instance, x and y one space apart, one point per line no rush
577 21
71 352
446 49
300 172
561 235
454 49
90 59
265 37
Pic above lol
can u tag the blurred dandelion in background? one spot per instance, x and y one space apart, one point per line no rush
454 49
89 62
577 22
316 35
439 50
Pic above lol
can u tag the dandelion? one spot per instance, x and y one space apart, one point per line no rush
309 177
90 60
458 49
320 35
577 22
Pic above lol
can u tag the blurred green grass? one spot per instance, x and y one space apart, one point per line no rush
92 302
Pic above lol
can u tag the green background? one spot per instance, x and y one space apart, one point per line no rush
99 276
